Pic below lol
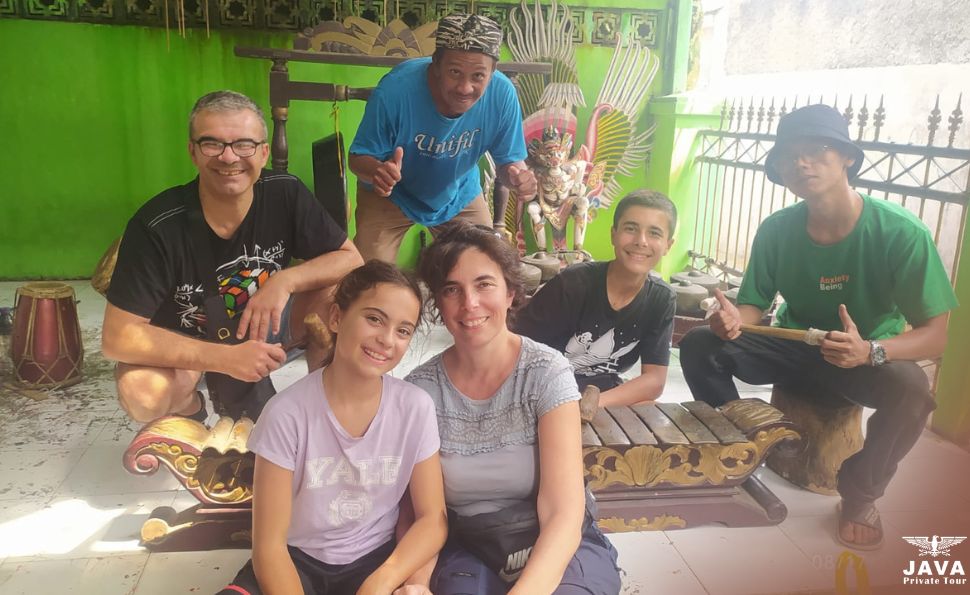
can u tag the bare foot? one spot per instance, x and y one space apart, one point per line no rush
860 526
858 533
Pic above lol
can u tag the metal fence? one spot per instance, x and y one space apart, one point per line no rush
734 196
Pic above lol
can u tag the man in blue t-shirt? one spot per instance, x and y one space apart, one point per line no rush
426 126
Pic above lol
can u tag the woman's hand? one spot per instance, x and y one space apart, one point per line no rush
376 584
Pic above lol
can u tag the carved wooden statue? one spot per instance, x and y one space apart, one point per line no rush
562 192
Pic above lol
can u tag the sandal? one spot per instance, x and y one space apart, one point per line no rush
864 514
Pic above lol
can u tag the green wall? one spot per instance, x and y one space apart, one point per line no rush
671 171
93 122
952 416
93 119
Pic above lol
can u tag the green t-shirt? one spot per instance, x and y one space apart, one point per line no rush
887 271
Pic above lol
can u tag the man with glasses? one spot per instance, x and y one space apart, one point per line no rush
862 268
248 223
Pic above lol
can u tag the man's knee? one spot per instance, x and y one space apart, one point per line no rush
912 386
381 226
907 375
135 397
379 246
698 345
149 393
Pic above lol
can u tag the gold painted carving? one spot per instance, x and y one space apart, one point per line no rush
101 279
355 35
214 464
679 465
660 523
226 435
751 414
181 463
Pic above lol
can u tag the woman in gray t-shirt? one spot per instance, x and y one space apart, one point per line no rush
507 408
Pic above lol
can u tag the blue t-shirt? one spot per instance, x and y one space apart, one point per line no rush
439 174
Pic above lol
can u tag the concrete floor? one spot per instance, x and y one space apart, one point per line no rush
70 515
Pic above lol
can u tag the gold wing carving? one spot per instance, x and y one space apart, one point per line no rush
355 35
612 140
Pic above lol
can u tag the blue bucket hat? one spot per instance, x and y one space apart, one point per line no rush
814 121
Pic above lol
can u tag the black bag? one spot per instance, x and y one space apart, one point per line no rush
230 396
237 398
502 540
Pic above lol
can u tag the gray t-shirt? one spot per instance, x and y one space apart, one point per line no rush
489 448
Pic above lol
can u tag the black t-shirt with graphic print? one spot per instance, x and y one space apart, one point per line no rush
158 277
572 313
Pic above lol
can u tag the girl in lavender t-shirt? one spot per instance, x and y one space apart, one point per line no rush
337 450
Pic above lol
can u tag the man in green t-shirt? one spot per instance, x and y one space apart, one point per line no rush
856 266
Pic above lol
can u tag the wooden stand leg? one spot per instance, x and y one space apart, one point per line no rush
831 432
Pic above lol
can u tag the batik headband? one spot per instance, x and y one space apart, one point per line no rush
469 33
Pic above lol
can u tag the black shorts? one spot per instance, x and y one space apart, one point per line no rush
318 578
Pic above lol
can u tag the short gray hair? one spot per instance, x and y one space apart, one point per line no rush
225 101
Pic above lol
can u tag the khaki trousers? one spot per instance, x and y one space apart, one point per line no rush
381 225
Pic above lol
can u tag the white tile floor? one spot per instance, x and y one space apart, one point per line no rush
70 515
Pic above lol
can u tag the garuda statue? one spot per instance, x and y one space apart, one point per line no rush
562 191
615 142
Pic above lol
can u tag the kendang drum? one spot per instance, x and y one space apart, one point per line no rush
46 346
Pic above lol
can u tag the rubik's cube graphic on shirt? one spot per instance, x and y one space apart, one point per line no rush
236 289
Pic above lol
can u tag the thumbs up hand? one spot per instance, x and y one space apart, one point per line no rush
846 348
388 173
521 180
725 320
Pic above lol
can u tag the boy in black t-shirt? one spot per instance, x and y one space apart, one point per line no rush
604 316
254 222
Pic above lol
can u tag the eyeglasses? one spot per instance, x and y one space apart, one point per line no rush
789 157
244 147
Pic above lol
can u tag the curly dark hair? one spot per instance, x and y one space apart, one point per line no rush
367 276
438 259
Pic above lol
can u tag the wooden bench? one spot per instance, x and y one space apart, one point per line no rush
674 465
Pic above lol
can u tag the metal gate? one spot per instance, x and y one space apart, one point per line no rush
734 195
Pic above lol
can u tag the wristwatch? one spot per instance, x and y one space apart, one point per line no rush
877 353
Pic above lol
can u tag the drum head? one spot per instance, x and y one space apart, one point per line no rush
46 290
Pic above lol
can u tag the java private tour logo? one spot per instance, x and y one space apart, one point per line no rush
935 566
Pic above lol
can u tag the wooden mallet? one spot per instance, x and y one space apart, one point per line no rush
812 336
